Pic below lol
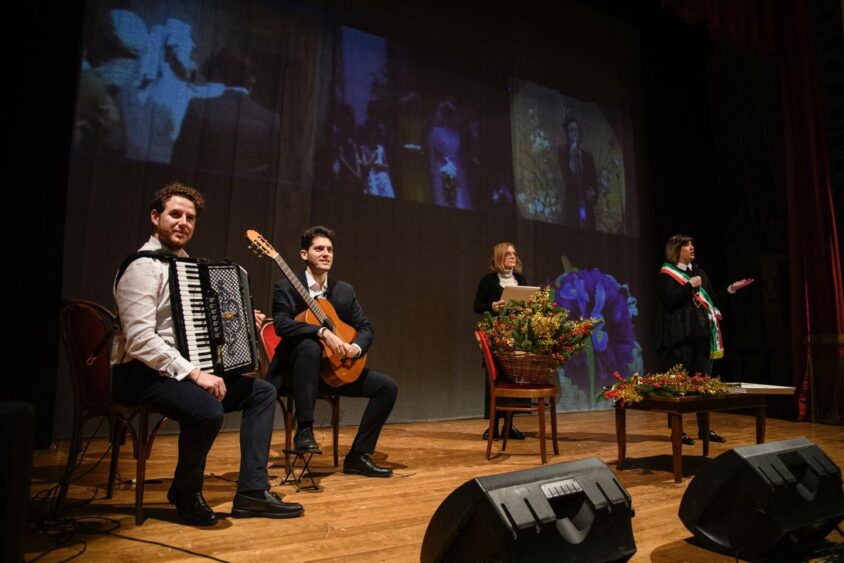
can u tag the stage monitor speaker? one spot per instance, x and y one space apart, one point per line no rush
576 511
765 499
17 429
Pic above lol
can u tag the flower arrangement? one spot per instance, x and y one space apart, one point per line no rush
537 326
675 382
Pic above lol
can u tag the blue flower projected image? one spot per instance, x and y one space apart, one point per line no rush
592 293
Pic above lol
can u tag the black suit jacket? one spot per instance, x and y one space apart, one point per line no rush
581 190
287 303
679 317
490 290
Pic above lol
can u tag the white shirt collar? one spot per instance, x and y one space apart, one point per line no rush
313 287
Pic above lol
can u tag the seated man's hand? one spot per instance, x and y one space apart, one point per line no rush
334 343
210 382
259 319
350 351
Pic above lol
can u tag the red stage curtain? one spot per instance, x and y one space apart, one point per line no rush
750 23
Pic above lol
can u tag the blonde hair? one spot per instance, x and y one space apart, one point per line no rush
496 261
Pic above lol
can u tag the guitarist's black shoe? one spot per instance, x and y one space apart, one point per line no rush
304 440
363 465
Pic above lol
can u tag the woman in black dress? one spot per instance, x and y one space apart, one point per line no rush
506 271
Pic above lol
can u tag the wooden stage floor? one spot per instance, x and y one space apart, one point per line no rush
354 518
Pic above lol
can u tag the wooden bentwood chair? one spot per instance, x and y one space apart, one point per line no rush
269 341
507 390
86 330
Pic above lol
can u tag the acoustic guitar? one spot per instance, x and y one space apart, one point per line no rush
336 370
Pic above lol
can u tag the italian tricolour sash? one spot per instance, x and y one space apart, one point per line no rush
716 342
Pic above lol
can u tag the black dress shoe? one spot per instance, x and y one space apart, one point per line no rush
271 506
192 508
363 465
304 441
515 434
713 437
687 440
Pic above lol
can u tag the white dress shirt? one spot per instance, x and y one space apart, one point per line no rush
146 317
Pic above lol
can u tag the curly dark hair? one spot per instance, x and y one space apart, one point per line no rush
177 189
314 232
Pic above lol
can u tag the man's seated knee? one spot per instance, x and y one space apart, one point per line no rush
390 389
209 413
308 350
263 391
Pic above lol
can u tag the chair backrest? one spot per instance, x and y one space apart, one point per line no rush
86 330
269 341
489 361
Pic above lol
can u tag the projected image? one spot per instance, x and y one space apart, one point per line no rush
572 161
404 128
147 93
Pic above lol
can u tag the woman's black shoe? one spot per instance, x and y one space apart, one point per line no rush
515 434
713 437
494 434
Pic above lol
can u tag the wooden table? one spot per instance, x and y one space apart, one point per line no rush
676 407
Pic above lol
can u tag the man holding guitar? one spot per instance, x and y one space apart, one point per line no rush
324 338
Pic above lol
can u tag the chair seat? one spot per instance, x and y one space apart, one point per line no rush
532 388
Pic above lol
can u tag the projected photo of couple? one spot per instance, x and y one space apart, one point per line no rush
148 92
403 128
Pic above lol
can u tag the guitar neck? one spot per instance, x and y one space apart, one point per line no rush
301 289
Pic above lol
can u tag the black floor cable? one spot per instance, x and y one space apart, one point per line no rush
65 530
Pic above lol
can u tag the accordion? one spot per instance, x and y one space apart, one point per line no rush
213 319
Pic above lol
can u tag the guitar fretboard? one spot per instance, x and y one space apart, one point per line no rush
303 291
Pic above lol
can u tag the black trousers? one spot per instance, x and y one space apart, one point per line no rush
694 355
301 373
200 417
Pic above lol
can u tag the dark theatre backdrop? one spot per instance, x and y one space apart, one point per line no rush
260 128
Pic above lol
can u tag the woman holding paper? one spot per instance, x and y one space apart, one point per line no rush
506 271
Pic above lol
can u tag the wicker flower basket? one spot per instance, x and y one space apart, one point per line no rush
526 368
